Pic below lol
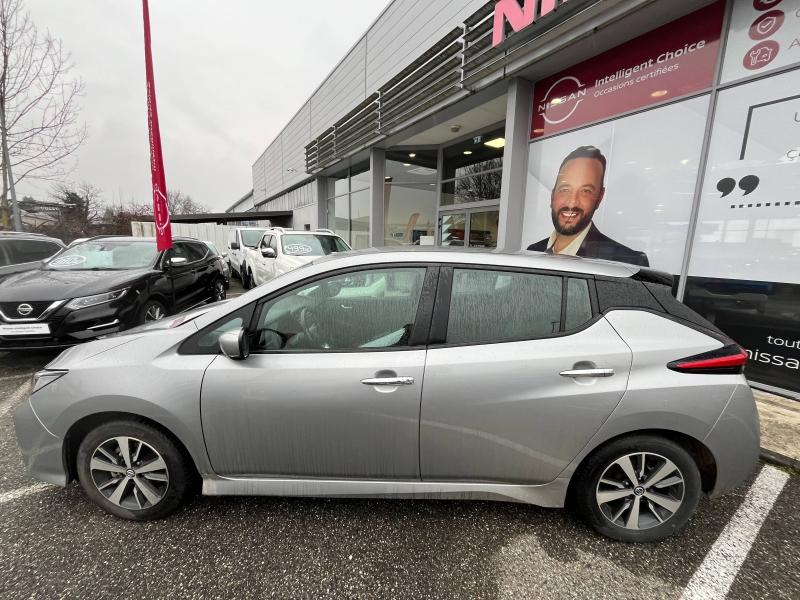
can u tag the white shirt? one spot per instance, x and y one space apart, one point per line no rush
574 245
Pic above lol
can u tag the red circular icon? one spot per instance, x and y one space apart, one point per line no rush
761 55
767 24
765 4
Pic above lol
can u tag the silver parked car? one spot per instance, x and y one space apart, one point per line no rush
519 377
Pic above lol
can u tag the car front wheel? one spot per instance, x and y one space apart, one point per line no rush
132 470
219 291
638 489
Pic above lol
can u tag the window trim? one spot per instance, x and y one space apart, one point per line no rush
441 316
422 320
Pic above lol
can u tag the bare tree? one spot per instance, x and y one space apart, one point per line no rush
183 204
39 108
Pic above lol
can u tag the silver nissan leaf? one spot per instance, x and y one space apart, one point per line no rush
519 377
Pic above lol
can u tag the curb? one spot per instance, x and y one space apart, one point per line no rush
776 458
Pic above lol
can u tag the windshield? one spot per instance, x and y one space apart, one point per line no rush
251 237
116 255
310 244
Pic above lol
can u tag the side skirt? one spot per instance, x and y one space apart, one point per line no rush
550 495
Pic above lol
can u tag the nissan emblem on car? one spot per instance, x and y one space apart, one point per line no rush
24 309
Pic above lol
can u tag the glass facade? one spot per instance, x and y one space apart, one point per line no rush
472 170
348 205
410 197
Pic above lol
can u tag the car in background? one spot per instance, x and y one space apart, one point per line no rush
281 250
223 258
21 251
521 377
239 240
105 285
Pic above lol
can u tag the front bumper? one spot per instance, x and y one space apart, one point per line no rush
735 441
70 327
42 452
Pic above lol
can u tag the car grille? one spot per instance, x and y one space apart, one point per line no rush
11 309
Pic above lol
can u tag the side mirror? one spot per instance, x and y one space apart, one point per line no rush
234 344
268 253
177 261
224 255
234 245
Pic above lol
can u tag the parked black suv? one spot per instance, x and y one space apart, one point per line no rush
103 285
21 251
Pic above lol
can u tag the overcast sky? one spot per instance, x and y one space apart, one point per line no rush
229 76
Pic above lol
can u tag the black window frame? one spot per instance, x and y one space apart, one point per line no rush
441 311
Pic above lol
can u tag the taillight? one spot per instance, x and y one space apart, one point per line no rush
726 360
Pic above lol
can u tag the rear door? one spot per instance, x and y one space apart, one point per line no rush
520 374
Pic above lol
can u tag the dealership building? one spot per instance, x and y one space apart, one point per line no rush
449 121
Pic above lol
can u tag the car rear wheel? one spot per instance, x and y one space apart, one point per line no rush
638 489
245 279
153 310
132 470
219 291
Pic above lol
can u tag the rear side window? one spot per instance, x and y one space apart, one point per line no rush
490 306
677 309
624 293
579 305
23 251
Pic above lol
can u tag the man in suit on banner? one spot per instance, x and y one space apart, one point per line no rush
577 194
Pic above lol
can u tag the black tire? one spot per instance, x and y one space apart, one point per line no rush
587 482
148 310
245 278
219 290
179 473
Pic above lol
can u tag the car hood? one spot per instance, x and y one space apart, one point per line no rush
45 284
292 262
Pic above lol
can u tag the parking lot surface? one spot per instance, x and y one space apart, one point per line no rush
55 544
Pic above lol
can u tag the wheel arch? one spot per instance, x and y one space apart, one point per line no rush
700 453
81 428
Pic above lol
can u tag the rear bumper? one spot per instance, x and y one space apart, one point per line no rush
735 441
42 452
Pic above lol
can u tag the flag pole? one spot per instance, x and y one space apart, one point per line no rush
160 205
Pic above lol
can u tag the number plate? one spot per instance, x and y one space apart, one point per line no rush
25 329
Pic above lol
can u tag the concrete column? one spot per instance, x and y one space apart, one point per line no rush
377 172
321 193
515 164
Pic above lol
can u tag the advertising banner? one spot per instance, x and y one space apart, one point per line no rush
745 264
764 35
669 62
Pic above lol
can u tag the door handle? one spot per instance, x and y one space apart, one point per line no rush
588 373
388 381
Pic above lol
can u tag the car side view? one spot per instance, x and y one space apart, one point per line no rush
103 285
281 250
417 373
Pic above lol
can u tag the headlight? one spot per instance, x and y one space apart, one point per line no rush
88 301
43 378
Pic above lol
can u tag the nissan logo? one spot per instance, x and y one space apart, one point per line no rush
24 309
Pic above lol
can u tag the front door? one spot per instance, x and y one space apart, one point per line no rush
333 385
508 394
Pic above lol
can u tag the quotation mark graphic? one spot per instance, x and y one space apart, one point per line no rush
747 184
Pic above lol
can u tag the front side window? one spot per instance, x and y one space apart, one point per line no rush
309 244
491 306
354 311
106 255
191 252
250 237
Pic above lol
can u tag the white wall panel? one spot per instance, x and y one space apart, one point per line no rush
341 91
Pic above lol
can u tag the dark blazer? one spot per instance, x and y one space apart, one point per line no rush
597 245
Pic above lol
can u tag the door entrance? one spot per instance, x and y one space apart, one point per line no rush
475 228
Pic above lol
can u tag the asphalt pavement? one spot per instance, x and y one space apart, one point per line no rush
55 544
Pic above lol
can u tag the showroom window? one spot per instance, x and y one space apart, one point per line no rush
473 169
409 197
348 205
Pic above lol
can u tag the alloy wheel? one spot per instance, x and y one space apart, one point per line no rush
219 291
129 473
640 491
154 313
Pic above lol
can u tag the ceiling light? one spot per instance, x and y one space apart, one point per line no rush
540 130
659 93
406 164
685 161
467 152
496 143
412 155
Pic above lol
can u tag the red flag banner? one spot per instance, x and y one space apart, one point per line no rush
160 206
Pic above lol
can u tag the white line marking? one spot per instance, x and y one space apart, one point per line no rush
14 399
714 577
22 492
9 377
